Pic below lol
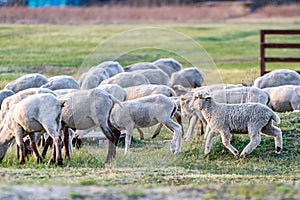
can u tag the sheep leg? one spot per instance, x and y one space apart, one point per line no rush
128 139
191 127
275 132
57 147
177 116
255 139
201 129
33 146
225 135
65 143
208 142
177 136
141 133
20 144
157 130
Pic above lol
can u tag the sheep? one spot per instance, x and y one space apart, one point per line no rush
140 66
180 90
146 90
189 77
16 98
4 94
27 81
277 78
112 67
61 82
87 109
251 118
284 98
92 78
126 79
168 65
139 113
64 91
40 112
115 90
155 76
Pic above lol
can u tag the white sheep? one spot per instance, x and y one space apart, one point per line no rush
284 98
251 118
92 78
115 90
189 77
145 112
61 82
126 79
36 113
140 66
155 76
277 78
112 67
4 94
27 81
168 65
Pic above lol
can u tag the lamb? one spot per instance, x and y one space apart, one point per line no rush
4 94
61 82
237 118
284 98
36 113
155 76
27 81
168 65
277 78
139 113
189 77
127 79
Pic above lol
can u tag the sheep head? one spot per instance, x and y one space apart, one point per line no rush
200 100
3 150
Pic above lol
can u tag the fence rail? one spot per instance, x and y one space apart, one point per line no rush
264 46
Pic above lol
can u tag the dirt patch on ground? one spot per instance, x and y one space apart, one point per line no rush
125 14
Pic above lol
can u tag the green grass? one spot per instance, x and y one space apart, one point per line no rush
234 49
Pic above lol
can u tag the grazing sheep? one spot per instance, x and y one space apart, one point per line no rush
27 81
16 98
284 98
251 118
139 113
168 65
87 109
277 78
140 66
190 77
114 90
61 82
64 91
180 90
147 90
92 78
127 79
4 94
112 67
36 113
155 76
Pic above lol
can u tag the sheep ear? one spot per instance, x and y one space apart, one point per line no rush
207 96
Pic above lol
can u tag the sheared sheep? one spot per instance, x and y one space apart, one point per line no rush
112 67
61 82
284 98
251 118
168 65
4 94
140 66
139 113
92 78
36 113
189 77
127 79
27 81
277 78
155 76
115 90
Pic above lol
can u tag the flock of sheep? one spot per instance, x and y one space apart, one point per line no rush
141 95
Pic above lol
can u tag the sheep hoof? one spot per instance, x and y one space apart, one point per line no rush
278 150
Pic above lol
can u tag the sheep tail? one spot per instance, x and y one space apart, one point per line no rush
275 117
115 100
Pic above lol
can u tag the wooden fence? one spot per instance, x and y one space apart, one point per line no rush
264 46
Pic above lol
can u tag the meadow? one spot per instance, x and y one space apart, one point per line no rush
229 50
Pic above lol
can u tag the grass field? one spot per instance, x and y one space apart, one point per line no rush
150 171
